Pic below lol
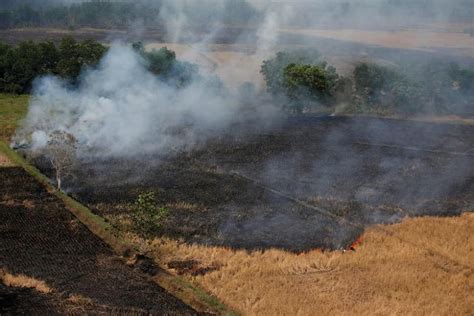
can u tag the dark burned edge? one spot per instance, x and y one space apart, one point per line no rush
189 293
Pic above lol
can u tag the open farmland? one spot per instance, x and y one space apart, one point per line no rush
248 210
420 266
52 264
237 157
304 183
428 39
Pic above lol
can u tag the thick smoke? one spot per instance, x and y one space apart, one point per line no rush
120 104
120 108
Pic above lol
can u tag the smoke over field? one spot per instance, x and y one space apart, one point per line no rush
231 165
122 109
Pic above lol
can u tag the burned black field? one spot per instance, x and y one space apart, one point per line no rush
41 239
306 182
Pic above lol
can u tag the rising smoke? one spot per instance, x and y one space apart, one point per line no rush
120 109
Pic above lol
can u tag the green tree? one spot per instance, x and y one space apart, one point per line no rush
20 66
309 83
147 217
161 61
385 88
73 56
49 57
273 69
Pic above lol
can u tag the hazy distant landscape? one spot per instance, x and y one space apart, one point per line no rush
236 157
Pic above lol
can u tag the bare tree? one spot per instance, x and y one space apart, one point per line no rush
61 151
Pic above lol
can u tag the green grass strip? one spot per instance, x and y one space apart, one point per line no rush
205 297
95 223
98 226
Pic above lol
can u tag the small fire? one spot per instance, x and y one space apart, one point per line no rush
356 244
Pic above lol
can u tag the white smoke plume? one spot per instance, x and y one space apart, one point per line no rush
268 32
120 107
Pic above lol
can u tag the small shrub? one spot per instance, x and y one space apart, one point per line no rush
147 217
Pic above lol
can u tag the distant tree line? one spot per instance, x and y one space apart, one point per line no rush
378 12
20 65
305 82
97 14
119 14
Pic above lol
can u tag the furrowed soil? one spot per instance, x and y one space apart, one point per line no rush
305 183
50 263
241 201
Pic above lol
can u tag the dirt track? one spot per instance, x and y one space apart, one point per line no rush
40 239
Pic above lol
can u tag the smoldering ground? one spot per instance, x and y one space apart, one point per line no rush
243 184
307 182
354 172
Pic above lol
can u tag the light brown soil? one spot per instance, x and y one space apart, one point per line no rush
234 64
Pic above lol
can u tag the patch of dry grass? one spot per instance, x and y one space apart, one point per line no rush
185 206
24 281
4 161
421 266
79 299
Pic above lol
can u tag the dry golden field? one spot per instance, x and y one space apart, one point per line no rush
234 64
420 266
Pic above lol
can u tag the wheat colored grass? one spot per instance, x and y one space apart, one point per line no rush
420 266
24 281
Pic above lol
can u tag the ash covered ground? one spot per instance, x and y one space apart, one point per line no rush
304 183
42 240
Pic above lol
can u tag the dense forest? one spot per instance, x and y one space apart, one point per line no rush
121 14
21 65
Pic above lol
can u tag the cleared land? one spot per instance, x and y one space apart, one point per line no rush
308 182
61 266
374 171
420 265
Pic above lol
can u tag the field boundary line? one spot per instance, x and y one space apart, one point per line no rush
182 289
380 227
93 222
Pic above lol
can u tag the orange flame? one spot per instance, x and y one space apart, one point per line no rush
356 244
